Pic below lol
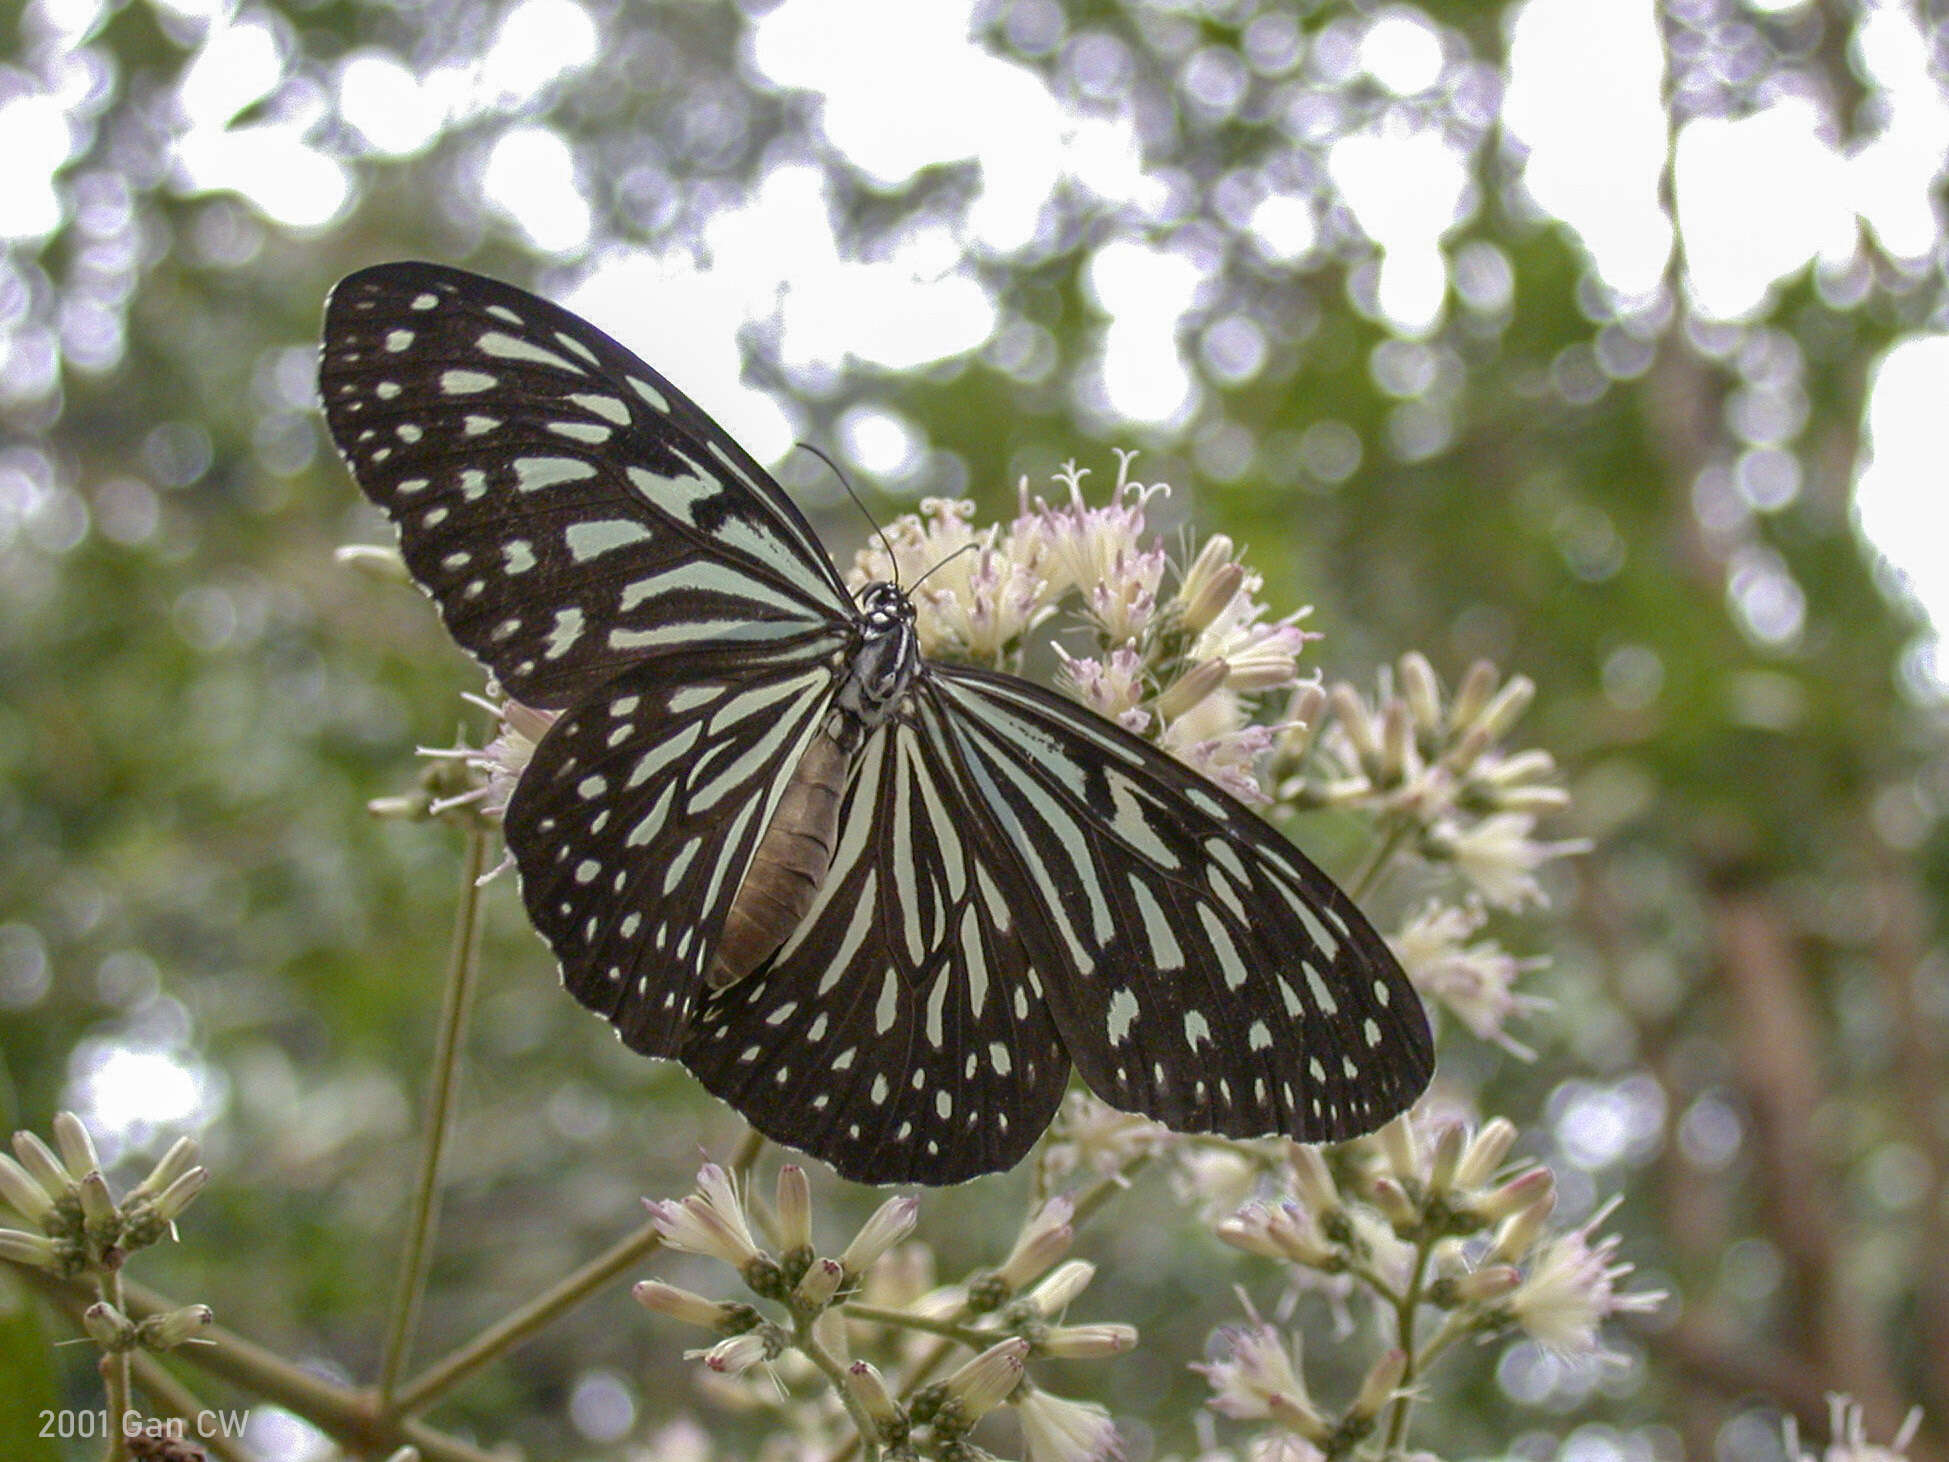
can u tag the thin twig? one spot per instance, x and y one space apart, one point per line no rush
463 966
444 1374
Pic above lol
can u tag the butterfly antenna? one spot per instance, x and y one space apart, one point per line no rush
964 548
885 542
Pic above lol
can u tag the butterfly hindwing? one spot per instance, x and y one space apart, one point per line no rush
901 1034
636 817
1201 970
569 510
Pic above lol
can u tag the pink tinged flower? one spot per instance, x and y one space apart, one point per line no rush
1257 1378
793 1208
739 1353
1112 686
869 1388
983 1383
1499 857
711 1223
1044 1239
1063 1284
819 1284
891 1222
1088 1342
683 1304
1571 1288
1286 1231
1060 1430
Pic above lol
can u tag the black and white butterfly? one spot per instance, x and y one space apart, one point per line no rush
1015 884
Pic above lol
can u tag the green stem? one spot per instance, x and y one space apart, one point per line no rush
948 1329
808 1344
463 968
1404 1311
440 1377
1393 832
115 1368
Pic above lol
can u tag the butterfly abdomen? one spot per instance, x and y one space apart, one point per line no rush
790 864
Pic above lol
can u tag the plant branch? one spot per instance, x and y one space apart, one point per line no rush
351 1417
463 968
443 1375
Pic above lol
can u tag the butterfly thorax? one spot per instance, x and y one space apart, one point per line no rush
791 862
884 659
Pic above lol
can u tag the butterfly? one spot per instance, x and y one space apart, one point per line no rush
879 904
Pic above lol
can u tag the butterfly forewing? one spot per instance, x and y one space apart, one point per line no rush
902 1033
571 512
1201 970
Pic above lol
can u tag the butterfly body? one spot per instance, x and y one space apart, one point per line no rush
792 859
882 905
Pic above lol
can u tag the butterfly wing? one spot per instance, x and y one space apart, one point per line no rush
901 1034
570 511
636 818
1199 969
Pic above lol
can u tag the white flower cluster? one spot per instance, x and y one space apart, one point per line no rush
1425 1221
1182 666
821 1311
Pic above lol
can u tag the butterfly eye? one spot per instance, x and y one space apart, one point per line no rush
880 906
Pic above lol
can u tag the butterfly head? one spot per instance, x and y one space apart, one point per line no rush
887 656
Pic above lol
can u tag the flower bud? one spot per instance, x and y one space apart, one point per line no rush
1354 719
1502 713
78 1154
819 1284
1395 1206
1482 1286
37 1251
689 1307
1422 693
985 1382
180 1158
1397 740
891 1222
1513 1196
1519 1233
1382 1381
26 1197
43 1166
1485 1154
1447 1158
1044 1239
794 1209
167 1331
98 1212
869 1388
1402 1151
1064 1284
1190 688
1472 695
1087 1342
1210 584
108 1327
